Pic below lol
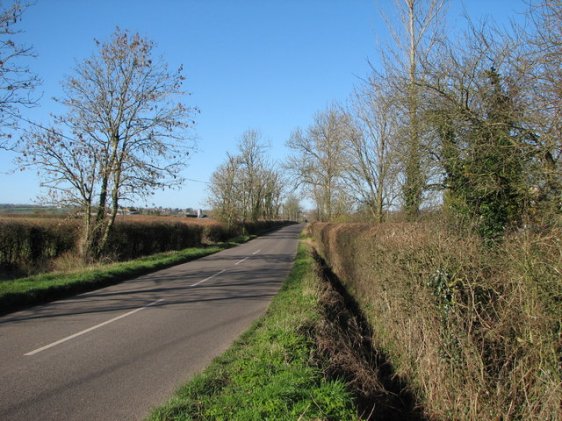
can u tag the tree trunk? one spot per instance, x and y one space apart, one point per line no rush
413 183
92 251
114 209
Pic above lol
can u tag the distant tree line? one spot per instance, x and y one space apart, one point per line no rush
247 186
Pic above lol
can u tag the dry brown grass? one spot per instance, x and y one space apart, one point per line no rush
171 219
476 330
344 346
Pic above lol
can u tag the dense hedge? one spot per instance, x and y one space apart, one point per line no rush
25 242
475 329
29 244
134 239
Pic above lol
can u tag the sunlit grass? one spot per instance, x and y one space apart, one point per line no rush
46 287
268 373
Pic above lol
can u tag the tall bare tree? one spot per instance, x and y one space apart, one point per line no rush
124 134
414 42
17 82
318 160
372 156
274 188
252 164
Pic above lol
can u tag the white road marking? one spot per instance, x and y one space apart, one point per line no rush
210 277
68 338
240 261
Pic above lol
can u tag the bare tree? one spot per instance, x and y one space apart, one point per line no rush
318 159
274 187
17 82
372 155
252 162
292 209
421 31
247 186
539 63
224 191
124 134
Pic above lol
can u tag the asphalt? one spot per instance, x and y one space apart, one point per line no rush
115 353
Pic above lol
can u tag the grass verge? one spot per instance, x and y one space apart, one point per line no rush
269 373
20 293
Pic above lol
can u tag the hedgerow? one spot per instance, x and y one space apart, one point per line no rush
476 330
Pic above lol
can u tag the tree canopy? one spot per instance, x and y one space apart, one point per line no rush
124 135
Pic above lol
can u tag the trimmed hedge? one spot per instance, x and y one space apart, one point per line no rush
26 242
30 243
133 239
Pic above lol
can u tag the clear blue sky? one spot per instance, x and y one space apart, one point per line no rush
250 64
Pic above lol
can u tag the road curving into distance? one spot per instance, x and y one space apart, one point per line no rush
114 353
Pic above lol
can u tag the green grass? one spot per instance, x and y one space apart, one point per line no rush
19 293
268 374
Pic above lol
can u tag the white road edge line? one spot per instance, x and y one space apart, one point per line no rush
240 261
256 252
210 277
68 338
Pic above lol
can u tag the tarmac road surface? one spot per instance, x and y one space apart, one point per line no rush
114 353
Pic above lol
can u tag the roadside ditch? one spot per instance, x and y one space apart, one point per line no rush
346 351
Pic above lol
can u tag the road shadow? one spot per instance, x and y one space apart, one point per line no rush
176 289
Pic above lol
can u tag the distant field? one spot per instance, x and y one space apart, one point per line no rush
171 218
32 211
37 217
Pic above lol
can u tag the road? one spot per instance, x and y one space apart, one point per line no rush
114 353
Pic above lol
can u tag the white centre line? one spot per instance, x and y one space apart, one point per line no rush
210 277
68 338
240 261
